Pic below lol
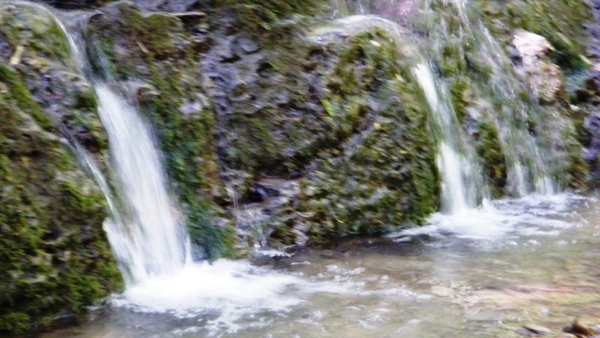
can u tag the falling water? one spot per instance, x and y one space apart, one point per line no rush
146 231
462 185
156 242
513 114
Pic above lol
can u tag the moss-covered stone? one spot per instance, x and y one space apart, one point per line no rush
382 173
54 256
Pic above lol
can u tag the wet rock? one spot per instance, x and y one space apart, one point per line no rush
166 5
544 76
580 330
74 4
537 329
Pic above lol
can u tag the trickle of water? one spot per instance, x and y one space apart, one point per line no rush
462 184
513 113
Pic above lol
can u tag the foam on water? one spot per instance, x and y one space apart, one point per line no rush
232 293
203 286
507 218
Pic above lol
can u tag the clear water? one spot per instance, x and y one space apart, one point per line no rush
536 262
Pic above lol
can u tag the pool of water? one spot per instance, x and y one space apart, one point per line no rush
484 273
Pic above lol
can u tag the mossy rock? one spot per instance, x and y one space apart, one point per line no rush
382 175
54 254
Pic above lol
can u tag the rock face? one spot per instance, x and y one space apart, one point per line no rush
54 256
330 114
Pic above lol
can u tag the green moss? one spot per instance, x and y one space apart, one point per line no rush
53 251
20 93
494 163
561 22
16 322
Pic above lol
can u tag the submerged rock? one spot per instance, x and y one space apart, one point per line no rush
580 330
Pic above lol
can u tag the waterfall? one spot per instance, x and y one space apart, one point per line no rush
155 242
462 183
514 110
146 230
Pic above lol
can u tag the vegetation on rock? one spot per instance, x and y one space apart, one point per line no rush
54 256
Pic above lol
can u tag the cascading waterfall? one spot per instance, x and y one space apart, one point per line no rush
515 110
463 185
156 242
146 230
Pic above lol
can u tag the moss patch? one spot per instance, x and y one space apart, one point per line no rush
53 251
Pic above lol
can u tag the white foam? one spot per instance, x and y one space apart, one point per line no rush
532 215
234 293
222 285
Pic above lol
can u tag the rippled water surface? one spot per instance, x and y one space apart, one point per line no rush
483 273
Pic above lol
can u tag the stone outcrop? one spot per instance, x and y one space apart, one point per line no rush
287 106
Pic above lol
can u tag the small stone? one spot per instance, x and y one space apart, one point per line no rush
441 291
537 329
248 46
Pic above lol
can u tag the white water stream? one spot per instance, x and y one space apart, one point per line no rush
461 176
154 243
